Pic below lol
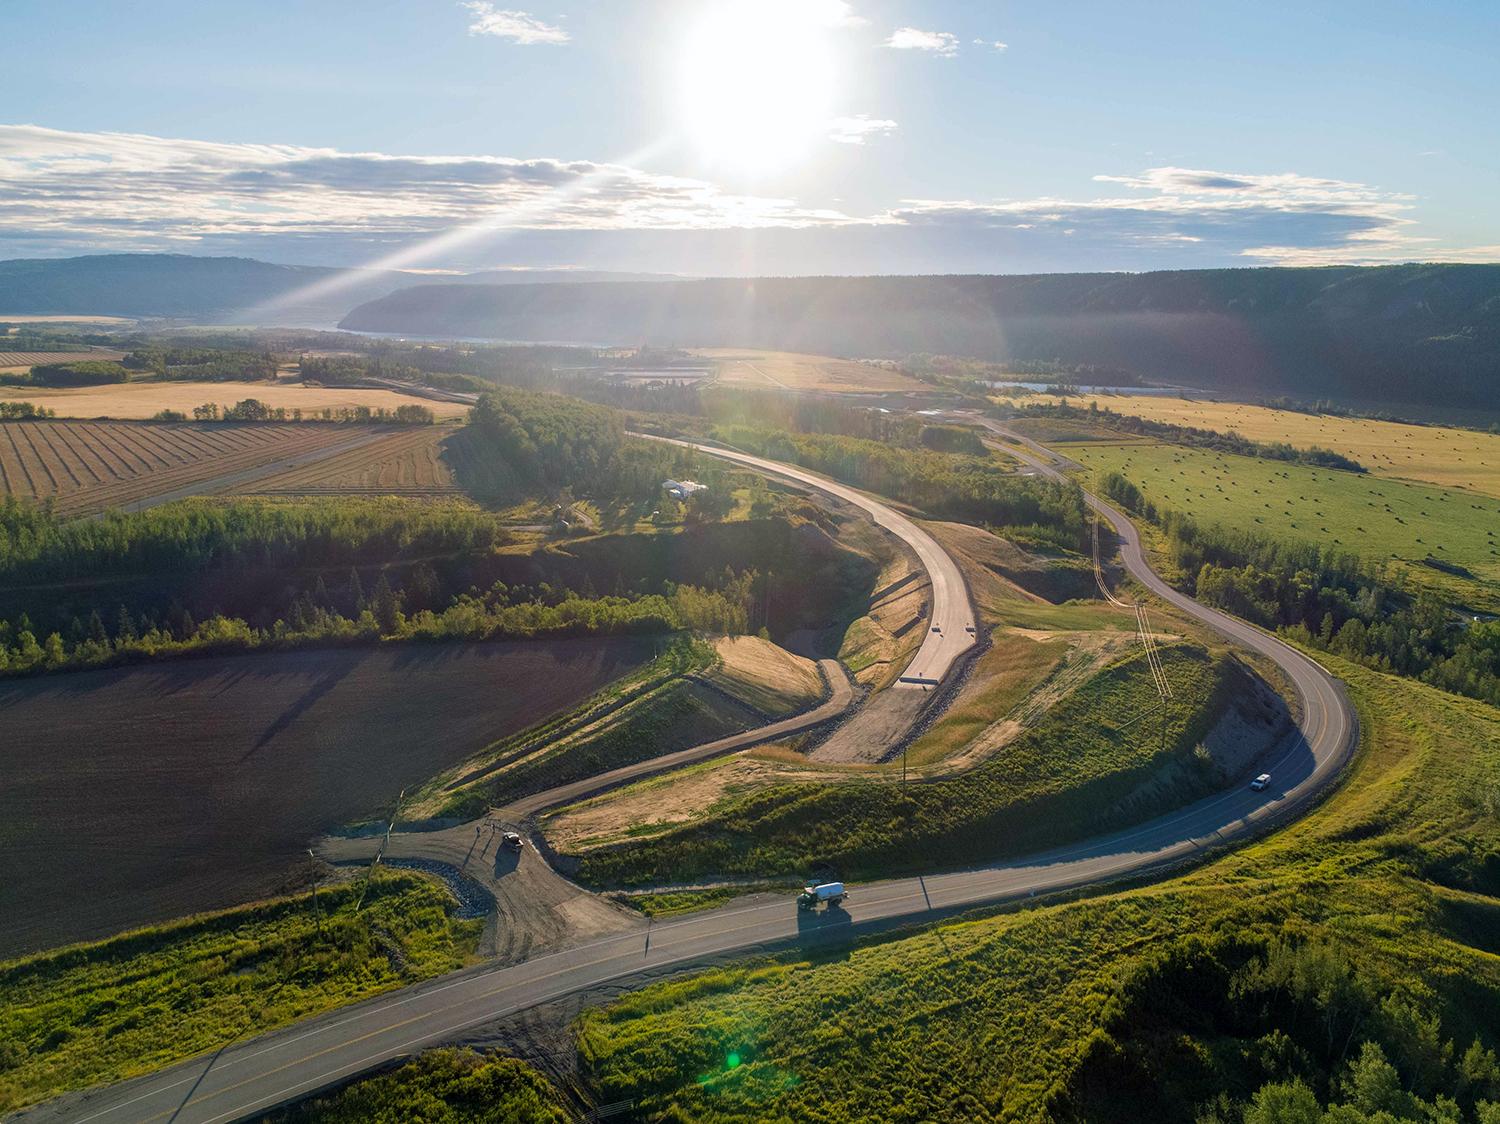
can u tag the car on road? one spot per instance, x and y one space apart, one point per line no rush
1259 783
511 841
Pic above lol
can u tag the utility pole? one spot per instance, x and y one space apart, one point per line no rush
317 913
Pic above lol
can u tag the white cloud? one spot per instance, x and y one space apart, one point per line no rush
117 187
914 39
67 191
518 27
999 46
854 130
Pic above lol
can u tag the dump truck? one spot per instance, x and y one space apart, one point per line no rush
829 892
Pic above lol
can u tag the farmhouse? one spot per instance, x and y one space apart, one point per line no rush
682 489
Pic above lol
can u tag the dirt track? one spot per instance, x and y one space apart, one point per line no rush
141 794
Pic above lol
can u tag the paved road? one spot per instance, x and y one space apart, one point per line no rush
950 626
253 1076
840 696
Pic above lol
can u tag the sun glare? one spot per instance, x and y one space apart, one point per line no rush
757 82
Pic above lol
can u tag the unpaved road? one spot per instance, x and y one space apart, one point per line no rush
841 695
289 1064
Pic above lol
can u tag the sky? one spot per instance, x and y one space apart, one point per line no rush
743 137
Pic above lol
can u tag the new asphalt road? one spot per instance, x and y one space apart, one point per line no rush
249 1077
950 629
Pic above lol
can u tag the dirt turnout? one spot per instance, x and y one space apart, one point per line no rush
137 795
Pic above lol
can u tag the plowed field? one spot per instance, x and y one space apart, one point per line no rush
88 466
139 794
407 463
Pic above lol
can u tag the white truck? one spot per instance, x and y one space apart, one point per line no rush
829 892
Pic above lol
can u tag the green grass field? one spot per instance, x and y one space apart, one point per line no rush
1081 768
1379 519
1377 917
97 1013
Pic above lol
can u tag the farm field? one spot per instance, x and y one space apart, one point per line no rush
787 370
408 463
87 467
146 398
140 794
25 360
1452 458
1380 519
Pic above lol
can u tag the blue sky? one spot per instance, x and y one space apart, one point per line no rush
773 136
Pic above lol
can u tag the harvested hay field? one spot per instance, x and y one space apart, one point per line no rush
407 463
1433 454
137 795
787 370
145 399
88 467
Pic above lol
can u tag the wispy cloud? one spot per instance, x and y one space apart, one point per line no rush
855 130
124 188
69 192
518 27
915 39
1282 218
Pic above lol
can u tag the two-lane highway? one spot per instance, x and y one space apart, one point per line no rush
250 1077
950 630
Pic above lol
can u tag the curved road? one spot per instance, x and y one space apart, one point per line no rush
840 696
253 1076
950 629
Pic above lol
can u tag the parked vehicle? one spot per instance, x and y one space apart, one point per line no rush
511 841
829 892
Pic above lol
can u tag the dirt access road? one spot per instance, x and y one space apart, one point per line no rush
283 1066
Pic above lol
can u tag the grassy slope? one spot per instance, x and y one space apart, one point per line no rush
1074 769
674 716
102 1012
443 1086
1380 519
991 1017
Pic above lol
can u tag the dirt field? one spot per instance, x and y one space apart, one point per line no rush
137 795
90 466
144 399
1452 458
408 463
789 371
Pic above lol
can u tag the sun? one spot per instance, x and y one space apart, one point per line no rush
757 82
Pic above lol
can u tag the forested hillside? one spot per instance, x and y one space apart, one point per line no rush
1427 333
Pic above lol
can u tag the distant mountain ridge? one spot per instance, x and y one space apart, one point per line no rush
217 289
1428 333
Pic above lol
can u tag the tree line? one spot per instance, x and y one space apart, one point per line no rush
277 550
945 485
254 410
